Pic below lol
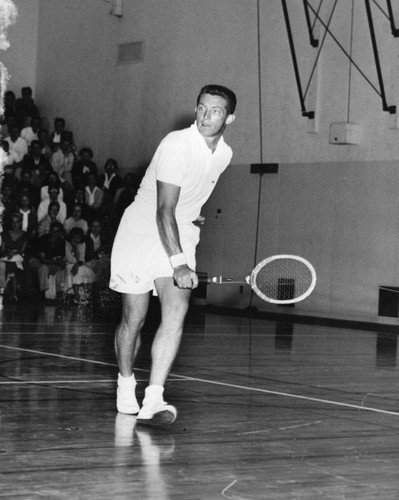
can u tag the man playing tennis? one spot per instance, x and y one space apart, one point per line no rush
154 249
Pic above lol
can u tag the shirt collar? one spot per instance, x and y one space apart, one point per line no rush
219 146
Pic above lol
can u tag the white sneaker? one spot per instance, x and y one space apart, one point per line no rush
126 401
156 413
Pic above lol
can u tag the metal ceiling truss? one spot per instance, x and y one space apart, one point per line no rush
314 42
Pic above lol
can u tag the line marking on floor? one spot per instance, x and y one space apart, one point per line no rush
214 382
28 382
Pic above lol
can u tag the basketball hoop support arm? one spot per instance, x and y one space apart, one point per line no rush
394 29
385 107
305 112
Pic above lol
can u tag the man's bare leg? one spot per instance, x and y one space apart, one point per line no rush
174 305
127 343
127 336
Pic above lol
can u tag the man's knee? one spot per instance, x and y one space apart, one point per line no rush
131 324
174 313
133 316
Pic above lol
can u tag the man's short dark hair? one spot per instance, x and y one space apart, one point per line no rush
220 91
89 151
56 224
76 231
53 204
112 162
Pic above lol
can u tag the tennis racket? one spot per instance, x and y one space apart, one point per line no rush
280 279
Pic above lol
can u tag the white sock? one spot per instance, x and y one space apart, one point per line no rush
126 380
154 392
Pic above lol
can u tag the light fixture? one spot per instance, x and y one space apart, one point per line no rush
117 8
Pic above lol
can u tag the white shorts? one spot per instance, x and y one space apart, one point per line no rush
137 260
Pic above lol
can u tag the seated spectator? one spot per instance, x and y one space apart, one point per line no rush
59 130
42 209
34 157
62 161
29 216
30 133
51 262
125 195
8 170
51 181
13 246
44 139
5 147
26 187
83 166
77 272
3 128
98 252
39 179
9 105
18 148
7 125
75 220
52 216
25 107
9 202
110 181
80 198
94 196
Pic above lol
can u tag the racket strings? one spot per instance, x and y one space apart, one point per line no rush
283 279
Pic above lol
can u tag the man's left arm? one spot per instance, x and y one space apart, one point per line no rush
167 198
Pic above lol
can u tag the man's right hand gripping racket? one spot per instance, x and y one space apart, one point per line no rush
280 279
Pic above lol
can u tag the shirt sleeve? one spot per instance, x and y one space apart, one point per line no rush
171 162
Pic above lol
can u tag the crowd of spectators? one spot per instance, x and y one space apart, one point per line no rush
60 211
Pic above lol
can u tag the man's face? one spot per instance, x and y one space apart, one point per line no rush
59 126
53 194
25 202
36 149
65 147
26 177
16 222
35 124
14 134
76 239
91 180
212 116
110 167
44 136
96 228
80 195
55 232
85 156
53 212
77 212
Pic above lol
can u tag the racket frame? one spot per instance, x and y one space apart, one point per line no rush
251 279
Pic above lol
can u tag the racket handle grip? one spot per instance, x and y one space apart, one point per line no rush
209 279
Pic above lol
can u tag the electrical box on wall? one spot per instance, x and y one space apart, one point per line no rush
345 133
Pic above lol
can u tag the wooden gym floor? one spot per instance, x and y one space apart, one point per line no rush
267 410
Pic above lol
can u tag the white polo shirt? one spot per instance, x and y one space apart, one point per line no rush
183 159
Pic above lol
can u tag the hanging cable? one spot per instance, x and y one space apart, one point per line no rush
320 49
381 9
317 13
260 85
260 146
350 61
345 52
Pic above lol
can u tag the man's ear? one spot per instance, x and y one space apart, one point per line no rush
230 119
